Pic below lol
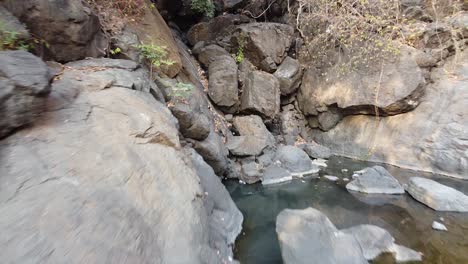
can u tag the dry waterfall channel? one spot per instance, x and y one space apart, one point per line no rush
214 131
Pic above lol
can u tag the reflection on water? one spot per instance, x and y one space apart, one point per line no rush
407 220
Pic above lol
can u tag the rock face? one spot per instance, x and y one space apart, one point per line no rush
264 44
376 180
394 88
223 84
437 196
73 31
261 94
24 86
306 235
289 74
293 124
99 145
430 138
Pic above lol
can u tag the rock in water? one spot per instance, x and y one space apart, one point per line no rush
24 86
275 174
295 160
437 196
439 226
331 178
376 180
374 241
261 94
307 236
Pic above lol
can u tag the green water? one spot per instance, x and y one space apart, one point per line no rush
406 219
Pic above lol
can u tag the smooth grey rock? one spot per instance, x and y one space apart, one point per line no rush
316 151
275 174
437 196
246 145
294 160
96 146
374 241
251 172
261 94
253 125
73 30
307 236
289 74
439 226
24 86
192 124
331 178
223 83
436 141
329 119
264 43
376 180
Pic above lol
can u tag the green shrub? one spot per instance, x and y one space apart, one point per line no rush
240 49
154 54
182 91
205 7
9 40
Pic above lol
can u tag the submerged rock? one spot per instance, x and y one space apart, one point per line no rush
307 236
437 196
331 178
24 86
376 180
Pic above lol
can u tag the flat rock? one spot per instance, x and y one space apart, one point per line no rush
246 145
308 235
295 160
376 180
274 174
437 196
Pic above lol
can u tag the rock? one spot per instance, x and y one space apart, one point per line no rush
293 124
192 124
374 241
245 68
10 23
210 53
261 94
98 145
400 90
376 180
22 96
316 151
225 219
439 226
251 172
331 178
320 163
246 145
289 74
274 174
306 235
127 41
73 30
429 138
253 126
437 196
222 88
265 44
213 151
216 28
295 160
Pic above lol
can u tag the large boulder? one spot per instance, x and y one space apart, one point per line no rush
437 196
261 94
223 84
24 86
192 124
316 151
99 145
246 145
376 180
306 235
208 54
430 138
295 160
264 44
293 124
394 87
70 28
253 126
289 74
215 29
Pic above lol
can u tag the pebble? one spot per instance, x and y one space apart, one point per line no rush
439 226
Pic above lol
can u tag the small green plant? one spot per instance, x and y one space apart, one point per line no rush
240 49
205 7
115 51
156 55
182 91
9 40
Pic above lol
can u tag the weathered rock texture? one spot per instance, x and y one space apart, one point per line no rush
24 86
261 94
376 180
69 27
223 84
102 177
433 137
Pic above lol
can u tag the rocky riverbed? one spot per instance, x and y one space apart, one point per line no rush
407 220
